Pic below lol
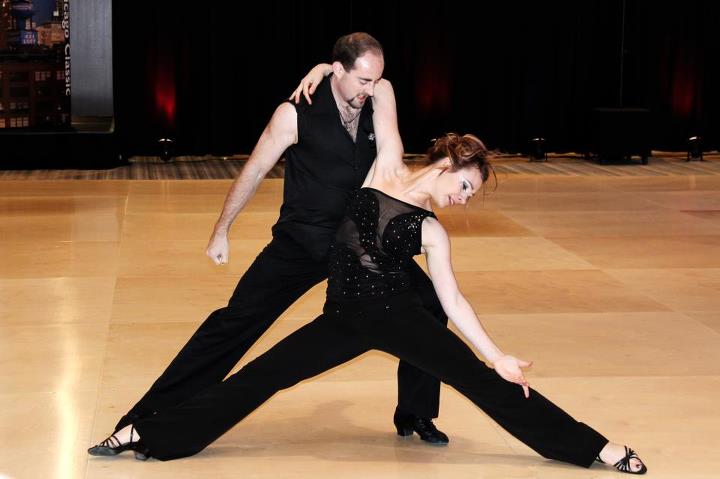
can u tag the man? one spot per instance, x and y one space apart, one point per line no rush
329 148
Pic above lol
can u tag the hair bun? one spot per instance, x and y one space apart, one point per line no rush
463 151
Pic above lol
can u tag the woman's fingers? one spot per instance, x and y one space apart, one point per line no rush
520 379
295 96
510 369
524 364
307 85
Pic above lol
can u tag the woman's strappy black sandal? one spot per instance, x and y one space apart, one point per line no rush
623 465
112 447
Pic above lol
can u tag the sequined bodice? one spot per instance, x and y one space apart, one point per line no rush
373 245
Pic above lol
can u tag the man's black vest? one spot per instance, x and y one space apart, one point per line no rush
322 170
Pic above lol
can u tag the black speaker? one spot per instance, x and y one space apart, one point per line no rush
618 134
26 150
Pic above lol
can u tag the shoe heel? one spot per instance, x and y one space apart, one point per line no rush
404 431
139 456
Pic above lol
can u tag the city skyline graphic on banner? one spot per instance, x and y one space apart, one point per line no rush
35 64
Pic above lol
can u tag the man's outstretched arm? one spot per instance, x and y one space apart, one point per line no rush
279 134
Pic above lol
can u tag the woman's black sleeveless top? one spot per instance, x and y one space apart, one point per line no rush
373 246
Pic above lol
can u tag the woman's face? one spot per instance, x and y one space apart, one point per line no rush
456 187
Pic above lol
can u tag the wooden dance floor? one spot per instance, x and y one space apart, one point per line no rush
609 283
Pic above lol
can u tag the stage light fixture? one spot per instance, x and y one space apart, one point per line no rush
166 149
694 152
537 149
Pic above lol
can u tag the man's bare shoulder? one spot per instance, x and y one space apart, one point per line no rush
284 118
286 109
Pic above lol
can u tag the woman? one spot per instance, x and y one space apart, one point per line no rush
370 305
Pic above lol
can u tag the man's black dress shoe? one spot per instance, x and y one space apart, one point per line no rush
406 424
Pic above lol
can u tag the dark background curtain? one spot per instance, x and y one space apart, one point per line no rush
209 74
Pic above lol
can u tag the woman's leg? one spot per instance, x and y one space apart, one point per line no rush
408 332
275 280
191 426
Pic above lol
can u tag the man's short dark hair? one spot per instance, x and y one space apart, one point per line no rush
349 47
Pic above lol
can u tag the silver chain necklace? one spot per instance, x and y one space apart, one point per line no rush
348 123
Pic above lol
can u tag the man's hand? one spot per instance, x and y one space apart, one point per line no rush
218 249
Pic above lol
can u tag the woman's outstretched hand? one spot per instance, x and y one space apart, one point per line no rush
510 369
310 82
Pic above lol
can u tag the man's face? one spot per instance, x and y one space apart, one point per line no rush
356 85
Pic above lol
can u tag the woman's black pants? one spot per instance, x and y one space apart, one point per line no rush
399 326
277 278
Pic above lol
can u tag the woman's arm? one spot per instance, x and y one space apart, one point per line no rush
387 135
310 82
437 251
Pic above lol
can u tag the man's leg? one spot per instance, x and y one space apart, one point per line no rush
411 334
277 278
419 392
191 426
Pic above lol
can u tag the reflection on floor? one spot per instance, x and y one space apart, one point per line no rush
608 283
